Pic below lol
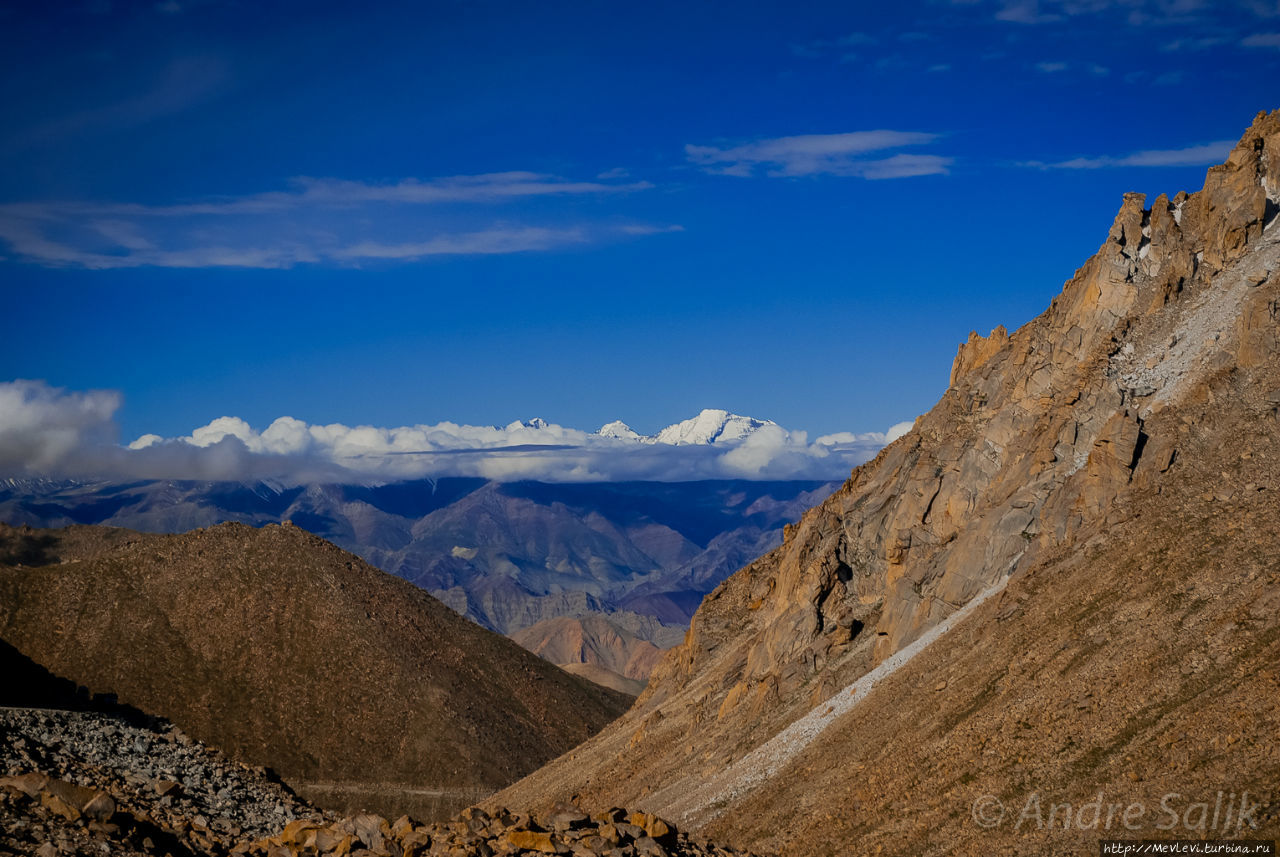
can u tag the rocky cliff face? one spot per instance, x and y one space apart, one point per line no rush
1037 435
1047 441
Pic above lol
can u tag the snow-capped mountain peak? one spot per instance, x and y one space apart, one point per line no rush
711 426
618 429
535 423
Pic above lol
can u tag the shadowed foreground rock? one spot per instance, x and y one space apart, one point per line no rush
72 782
89 783
567 830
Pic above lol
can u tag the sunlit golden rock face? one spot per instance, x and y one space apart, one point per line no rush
1148 377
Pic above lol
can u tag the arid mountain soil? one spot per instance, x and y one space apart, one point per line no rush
608 649
1100 488
283 650
607 678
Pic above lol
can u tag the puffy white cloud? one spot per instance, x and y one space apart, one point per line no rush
45 431
897 430
224 427
145 441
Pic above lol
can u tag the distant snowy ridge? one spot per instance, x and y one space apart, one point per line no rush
710 426
713 426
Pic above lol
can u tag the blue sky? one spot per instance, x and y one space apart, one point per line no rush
484 211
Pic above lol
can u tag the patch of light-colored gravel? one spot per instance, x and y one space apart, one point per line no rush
707 799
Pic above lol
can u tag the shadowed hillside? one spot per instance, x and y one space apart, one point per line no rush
284 650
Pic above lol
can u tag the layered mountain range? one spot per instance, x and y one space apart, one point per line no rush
508 556
1060 586
1047 615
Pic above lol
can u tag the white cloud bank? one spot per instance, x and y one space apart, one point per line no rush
317 220
51 432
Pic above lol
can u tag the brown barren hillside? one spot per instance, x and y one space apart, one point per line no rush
286 651
601 647
1060 585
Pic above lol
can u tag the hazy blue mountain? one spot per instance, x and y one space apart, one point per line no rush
508 555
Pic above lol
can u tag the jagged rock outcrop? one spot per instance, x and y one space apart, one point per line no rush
564 830
1139 383
87 782
1037 434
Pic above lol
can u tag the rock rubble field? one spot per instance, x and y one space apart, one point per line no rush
88 783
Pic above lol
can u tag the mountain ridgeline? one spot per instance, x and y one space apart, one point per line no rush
506 555
1061 583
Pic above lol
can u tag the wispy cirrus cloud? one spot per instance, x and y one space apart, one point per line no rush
485 243
1192 44
1206 154
316 220
1025 12
1138 13
862 154
843 47
1261 40
1055 67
